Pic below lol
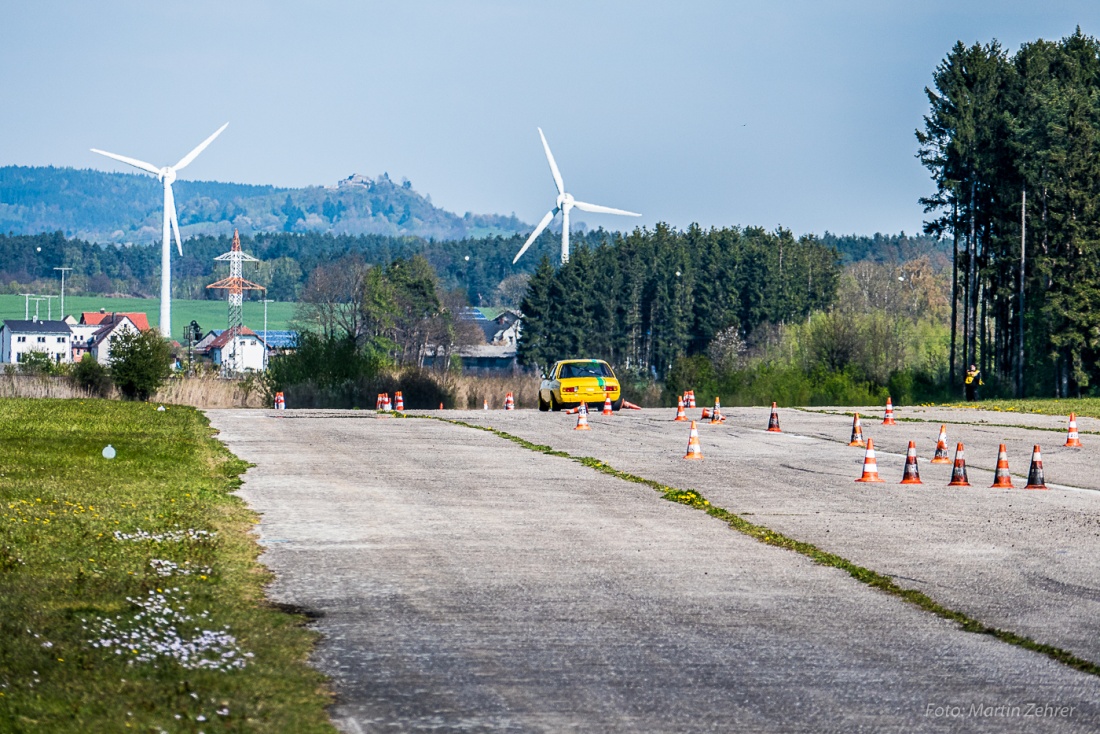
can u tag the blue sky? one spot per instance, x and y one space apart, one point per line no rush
792 113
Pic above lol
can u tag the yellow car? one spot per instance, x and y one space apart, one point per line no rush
574 381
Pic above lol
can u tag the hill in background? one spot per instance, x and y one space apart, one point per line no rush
126 208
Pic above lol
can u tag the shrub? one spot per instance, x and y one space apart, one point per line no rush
37 363
90 375
140 363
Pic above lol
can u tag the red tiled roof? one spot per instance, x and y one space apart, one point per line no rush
96 318
223 338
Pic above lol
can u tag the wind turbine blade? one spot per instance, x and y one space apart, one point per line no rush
534 235
171 212
553 166
597 209
199 148
130 161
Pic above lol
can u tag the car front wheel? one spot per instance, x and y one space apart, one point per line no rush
543 405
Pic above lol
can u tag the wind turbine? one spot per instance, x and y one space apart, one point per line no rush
564 203
167 175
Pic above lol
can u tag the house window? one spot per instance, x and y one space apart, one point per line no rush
60 340
41 340
21 339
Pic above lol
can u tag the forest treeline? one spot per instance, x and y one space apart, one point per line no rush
1012 142
479 267
124 208
644 299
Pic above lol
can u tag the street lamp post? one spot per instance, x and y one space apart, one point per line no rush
26 306
266 301
63 271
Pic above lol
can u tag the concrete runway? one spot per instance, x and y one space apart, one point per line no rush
466 583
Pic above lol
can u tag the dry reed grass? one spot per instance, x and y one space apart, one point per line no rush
472 391
204 391
210 391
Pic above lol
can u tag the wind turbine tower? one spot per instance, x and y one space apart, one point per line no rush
236 285
166 175
564 203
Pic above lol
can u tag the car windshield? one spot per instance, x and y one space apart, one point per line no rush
585 369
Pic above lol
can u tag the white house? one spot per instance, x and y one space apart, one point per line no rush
245 353
82 337
105 335
53 338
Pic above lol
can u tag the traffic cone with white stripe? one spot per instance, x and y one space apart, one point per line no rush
680 414
1035 475
582 419
694 450
716 411
509 402
941 456
691 399
870 465
485 404
857 433
773 421
607 410
911 475
400 402
958 473
888 419
386 404
1001 477
1073 441
378 402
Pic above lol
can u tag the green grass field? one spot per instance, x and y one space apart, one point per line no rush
209 314
1089 407
132 599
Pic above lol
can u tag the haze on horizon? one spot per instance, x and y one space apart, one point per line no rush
794 113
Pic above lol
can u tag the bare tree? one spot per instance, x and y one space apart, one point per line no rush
333 299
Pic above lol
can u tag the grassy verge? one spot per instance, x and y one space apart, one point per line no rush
131 594
1046 406
763 534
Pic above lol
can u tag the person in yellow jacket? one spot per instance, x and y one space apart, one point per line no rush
973 382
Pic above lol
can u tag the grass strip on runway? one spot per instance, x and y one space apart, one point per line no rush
131 595
766 535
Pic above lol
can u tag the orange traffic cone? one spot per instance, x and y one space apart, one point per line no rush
378 403
485 404
582 419
691 399
773 422
958 474
1072 440
509 402
386 404
1002 477
857 433
941 456
441 406
607 406
400 402
888 419
694 450
870 466
716 411
680 414
631 406
1035 475
911 475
